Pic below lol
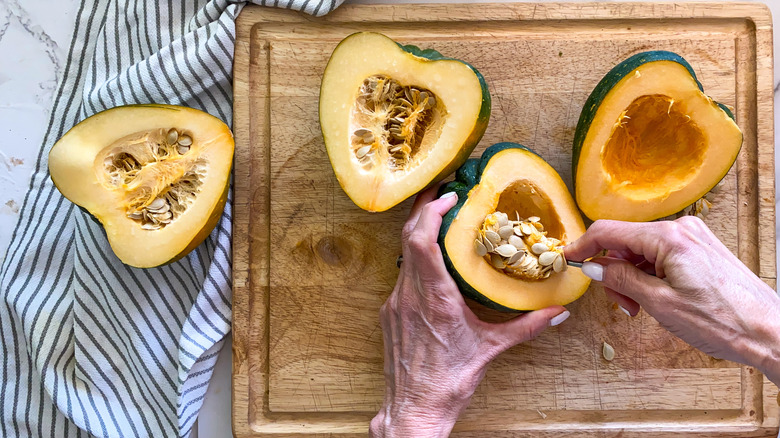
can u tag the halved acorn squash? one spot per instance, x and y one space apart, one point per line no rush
511 186
155 176
396 119
649 142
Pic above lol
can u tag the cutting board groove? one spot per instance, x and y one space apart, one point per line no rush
311 269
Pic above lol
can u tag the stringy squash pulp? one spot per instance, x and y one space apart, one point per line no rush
396 119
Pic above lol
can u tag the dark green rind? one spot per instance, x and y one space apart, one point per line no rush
468 172
466 178
431 54
726 110
606 84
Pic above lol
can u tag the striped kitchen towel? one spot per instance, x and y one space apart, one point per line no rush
87 343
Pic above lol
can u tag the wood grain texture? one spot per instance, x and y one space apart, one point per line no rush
311 269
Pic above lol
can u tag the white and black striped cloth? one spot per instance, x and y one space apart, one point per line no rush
87 343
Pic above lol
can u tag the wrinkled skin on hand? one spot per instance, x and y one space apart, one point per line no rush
436 350
683 276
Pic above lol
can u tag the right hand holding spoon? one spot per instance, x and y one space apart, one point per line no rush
684 277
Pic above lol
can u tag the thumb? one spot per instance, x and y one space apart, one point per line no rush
623 278
525 327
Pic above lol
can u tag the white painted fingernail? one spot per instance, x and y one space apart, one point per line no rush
593 270
624 310
557 319
448 195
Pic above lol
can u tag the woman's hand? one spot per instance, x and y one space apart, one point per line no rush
682 275
436 349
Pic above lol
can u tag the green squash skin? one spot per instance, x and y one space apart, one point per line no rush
466 178
606 84
482 118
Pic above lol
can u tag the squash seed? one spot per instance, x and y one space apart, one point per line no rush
516 242
182 149
488 245
480 248
516 257
506 250
185 140
607 351
172 136
156 204
527 229
547 258
539 248
558 264
360 153
497 261
505 231
493 237
502 219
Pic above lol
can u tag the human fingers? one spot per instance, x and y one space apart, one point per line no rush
638 238
626 255
502 336
627 305
638 260
623 278
422 199
422 242
422 239
429 222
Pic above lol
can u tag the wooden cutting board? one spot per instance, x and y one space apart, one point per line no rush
311 269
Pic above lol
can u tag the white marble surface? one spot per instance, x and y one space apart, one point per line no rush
34 40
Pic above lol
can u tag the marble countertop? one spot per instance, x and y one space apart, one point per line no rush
34 40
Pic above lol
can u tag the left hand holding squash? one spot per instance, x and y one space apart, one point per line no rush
436 349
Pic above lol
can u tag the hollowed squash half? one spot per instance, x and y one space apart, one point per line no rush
155 176
509 178
396 119
649 142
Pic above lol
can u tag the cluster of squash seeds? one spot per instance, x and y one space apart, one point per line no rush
519 248
399 117
155 210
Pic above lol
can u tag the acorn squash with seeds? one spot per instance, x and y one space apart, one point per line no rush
649 142
396 119
155 176
510 179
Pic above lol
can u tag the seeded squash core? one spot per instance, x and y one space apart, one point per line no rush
649 142
396 118
512 179
155 176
